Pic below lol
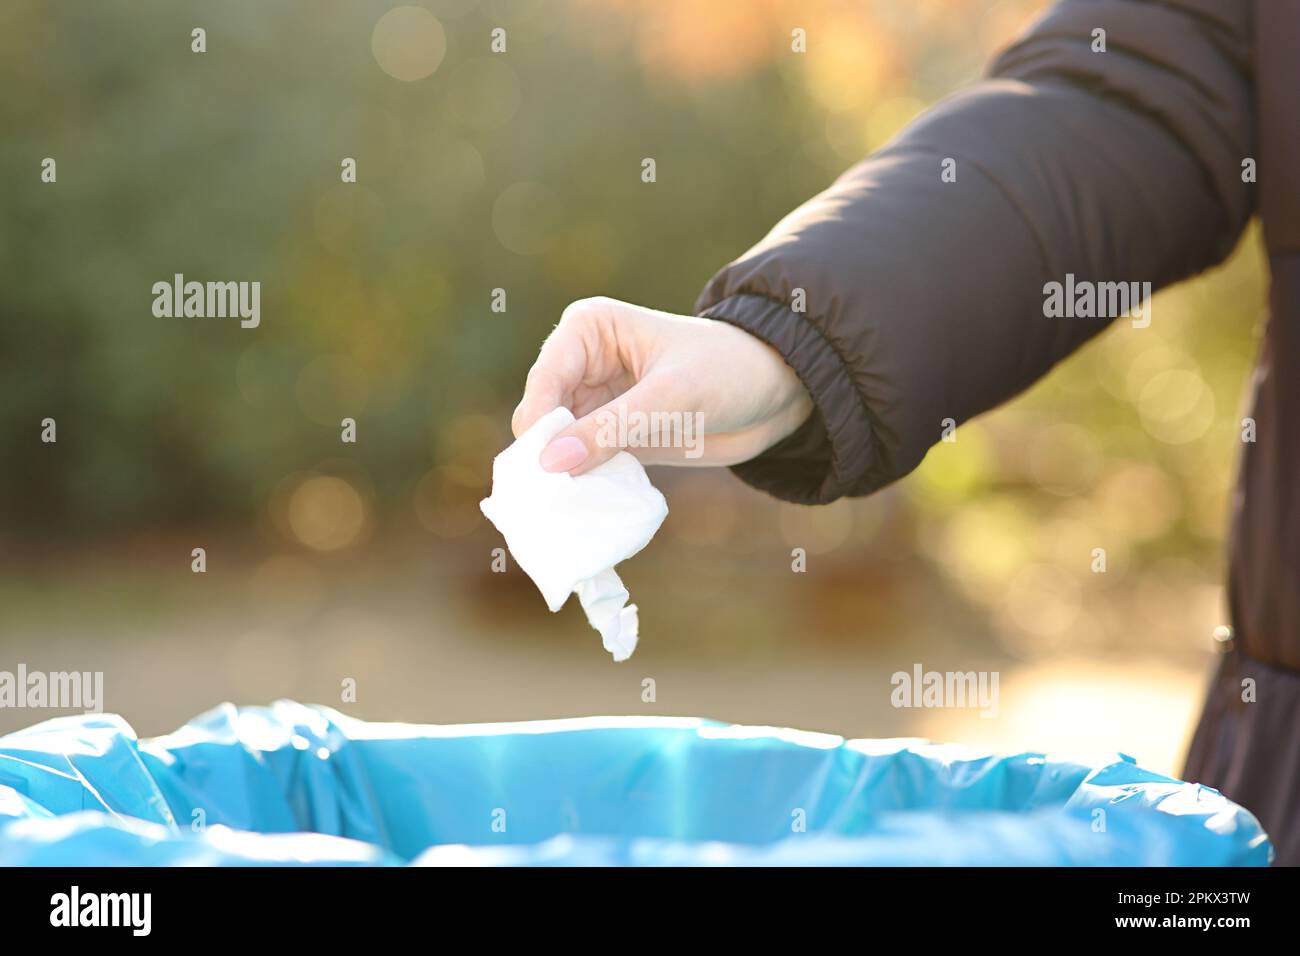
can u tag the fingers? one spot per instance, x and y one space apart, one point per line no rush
645 381
596 438
598 363
579 356
544 391
558 371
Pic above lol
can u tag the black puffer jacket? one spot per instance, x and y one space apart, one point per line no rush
924 297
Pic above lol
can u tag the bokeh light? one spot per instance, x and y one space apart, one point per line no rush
525 218
408 43
326 513
1176 406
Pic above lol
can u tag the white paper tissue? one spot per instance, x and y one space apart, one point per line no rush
568 532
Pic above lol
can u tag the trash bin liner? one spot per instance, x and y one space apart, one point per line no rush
295 784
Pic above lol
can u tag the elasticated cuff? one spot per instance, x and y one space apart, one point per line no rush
826 458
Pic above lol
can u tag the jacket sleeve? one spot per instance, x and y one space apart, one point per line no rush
902 299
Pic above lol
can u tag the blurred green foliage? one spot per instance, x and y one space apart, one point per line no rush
375 297
523 172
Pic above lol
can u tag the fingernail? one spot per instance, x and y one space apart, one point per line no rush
563 454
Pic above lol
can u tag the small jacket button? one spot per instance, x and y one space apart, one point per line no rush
1223 639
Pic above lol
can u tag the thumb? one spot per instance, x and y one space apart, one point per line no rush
598 436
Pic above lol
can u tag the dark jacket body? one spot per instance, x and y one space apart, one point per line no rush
924 298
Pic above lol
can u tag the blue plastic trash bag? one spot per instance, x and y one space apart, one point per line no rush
292 784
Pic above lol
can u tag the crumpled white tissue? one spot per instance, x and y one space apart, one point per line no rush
567 532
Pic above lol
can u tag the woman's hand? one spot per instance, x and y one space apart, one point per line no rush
610 362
